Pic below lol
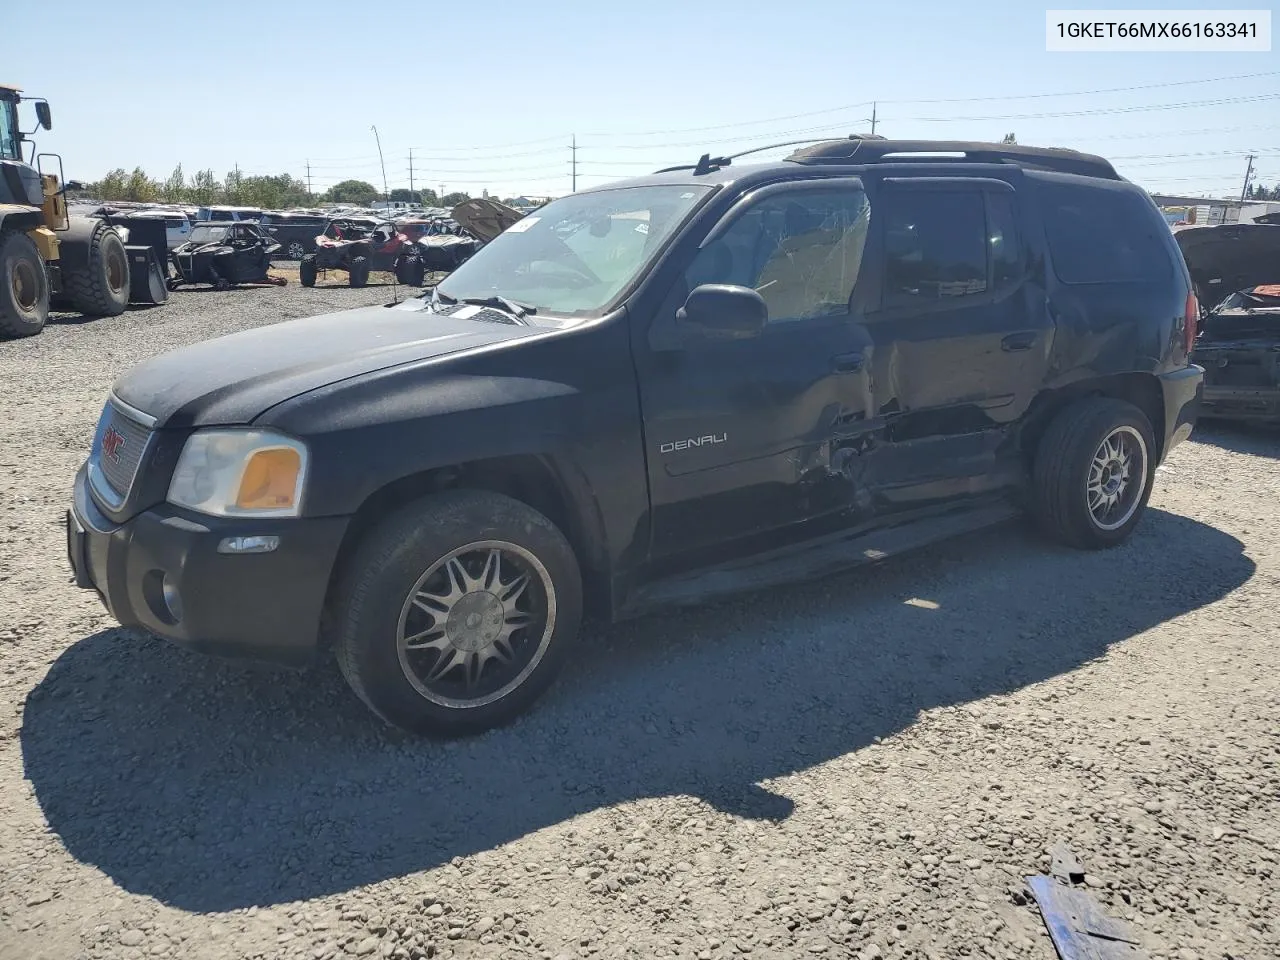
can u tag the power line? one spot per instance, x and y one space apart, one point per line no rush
872 103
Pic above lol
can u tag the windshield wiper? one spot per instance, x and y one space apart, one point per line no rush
497 302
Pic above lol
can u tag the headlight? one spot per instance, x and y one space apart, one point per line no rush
240 473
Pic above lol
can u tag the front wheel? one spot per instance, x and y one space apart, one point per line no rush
457 612
1093 472
24 286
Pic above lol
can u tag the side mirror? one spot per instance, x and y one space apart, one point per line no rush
43 116
726 309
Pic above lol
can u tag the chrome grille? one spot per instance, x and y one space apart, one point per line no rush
118 448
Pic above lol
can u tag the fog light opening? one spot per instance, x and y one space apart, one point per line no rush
172 599
248 544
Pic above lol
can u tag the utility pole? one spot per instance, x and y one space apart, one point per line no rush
309 193
411 174
573 162
378 141
873 118
1248 175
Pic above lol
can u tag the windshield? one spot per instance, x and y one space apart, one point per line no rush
576 254
208 234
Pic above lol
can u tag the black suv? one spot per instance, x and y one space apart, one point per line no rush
713 378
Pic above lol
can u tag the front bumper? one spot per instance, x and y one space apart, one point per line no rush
264 605
1182 391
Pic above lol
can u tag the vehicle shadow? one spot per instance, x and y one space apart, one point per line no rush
76 319
1258 439
212 785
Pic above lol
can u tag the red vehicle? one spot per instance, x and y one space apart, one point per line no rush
360 245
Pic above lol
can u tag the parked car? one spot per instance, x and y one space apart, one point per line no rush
228 213
296 233
177 226
712 379
1236 270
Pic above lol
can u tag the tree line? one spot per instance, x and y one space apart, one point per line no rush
1258 191
240 190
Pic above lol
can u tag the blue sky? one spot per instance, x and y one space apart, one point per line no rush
488 94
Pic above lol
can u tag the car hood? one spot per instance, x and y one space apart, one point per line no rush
233 379
484 219
1230 257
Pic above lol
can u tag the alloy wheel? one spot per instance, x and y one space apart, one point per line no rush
476 624
1117 477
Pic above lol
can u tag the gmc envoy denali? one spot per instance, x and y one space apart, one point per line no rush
714 378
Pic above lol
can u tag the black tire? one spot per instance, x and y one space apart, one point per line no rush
222 283
307 270
390 568
358 272
24 286
411 271
1062 473
100 288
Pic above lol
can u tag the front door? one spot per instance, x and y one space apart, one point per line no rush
739 433
961 339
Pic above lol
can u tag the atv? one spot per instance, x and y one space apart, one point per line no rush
359 245
225 255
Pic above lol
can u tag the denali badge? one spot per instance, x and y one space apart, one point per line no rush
112 441
692 442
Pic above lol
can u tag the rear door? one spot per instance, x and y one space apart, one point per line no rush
740 433
962 335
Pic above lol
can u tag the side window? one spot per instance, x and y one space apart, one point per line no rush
800 251
1101 235
1002 239
8 131
935 245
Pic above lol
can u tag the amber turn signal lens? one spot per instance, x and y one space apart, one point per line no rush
270 480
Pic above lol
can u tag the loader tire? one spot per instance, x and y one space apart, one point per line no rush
99 287
24 287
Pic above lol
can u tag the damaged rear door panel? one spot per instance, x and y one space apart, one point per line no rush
961 342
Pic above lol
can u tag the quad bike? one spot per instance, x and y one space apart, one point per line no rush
360 246
224 255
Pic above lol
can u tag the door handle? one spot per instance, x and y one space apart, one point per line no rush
1018 341
847 363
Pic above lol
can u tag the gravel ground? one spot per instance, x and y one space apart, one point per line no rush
862 767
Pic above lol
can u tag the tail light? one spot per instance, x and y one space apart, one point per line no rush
1191 321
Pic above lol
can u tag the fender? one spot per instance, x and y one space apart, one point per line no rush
372 431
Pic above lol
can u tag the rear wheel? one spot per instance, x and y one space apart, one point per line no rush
307 270
457 612
99 288
24 286
296 250
1092 473
411 271
358 272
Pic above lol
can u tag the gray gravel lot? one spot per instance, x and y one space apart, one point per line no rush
865 766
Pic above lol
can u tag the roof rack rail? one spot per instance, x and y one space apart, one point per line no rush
865 150
707 163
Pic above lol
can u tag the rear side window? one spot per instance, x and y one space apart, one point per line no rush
935 245
1100 235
